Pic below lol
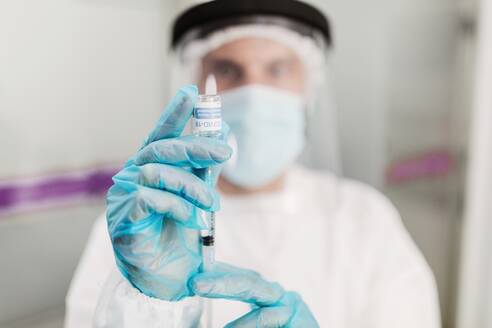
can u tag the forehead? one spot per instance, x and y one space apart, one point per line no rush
250 49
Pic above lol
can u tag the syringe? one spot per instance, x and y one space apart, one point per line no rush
207 122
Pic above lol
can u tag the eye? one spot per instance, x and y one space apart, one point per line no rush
279 69
226 70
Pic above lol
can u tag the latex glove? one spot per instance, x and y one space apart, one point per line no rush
152 206
272 306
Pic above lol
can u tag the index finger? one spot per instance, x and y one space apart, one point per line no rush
174 118
237 284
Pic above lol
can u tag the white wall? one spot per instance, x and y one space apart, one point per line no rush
81 83
75 77
360 79
475 293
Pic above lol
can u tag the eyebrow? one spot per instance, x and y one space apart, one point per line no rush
221 61
289 59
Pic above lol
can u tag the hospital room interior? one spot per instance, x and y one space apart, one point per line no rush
82 82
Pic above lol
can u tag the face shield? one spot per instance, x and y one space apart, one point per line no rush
253 48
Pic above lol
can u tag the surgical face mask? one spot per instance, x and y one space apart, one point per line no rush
267 133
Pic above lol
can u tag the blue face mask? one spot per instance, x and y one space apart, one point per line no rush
267 133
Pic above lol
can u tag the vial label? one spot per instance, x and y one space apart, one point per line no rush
207 119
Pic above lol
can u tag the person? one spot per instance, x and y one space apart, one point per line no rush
296 247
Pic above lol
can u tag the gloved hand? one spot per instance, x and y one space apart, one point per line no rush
272 306
152 206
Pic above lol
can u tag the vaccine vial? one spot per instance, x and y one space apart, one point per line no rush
207 116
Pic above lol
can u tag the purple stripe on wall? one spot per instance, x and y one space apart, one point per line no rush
17 195
428 165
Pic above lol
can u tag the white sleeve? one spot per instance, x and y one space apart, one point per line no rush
121 305
403 291
408 301
95 265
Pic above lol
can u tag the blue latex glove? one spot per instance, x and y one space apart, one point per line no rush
152 206
272 306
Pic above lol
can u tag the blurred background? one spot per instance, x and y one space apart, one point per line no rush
82 82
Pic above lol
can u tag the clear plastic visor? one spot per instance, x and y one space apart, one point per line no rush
193 60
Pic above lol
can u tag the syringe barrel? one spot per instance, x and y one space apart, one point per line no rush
208 255
207 122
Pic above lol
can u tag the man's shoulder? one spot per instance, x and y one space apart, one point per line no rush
355 200
349 190
375 224
365 197
369 209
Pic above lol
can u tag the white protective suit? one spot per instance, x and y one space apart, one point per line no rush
350 259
